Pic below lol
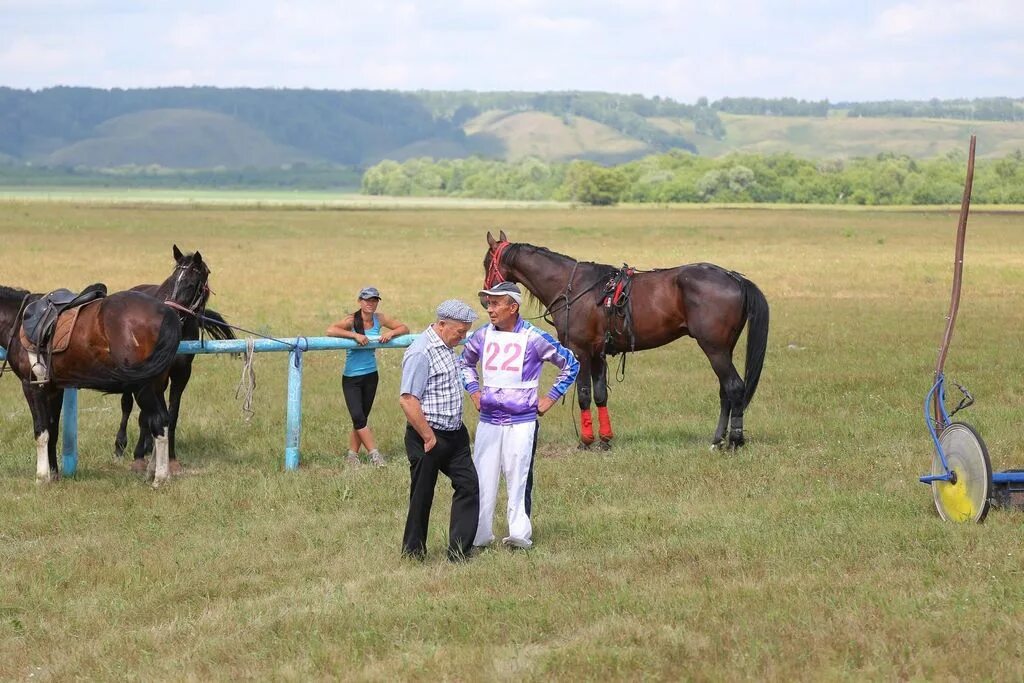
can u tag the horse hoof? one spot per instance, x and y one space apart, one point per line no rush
119 450
736 442
174 468
139 466
717 445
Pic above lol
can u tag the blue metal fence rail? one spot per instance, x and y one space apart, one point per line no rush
295 346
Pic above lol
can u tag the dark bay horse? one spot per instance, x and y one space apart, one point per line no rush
187 287
701 300
124 342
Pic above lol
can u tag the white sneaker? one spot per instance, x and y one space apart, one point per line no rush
517 542
377 459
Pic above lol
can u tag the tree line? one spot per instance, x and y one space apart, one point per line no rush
980 109
678 176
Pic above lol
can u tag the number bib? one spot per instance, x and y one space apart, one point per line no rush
504 357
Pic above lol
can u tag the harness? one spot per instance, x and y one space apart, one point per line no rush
618 307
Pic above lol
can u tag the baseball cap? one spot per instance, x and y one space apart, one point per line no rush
369 293
505 289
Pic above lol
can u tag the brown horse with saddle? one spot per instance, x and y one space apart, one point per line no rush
598 309
122 342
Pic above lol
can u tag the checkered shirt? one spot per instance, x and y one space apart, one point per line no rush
441 395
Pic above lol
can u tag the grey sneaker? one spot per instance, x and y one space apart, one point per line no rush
352 458
377 459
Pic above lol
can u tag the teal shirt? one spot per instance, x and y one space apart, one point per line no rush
362 361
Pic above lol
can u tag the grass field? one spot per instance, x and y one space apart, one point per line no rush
813 553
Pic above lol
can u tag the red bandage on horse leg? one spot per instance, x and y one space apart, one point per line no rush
586 427
605 423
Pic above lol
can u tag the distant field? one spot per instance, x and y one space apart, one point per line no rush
812 554
839 136
268 198
312 199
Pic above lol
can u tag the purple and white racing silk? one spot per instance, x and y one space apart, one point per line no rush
511 365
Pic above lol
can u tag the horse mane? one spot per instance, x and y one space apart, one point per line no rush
603 269
11 293
514 249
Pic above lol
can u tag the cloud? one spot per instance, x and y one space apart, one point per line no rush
676 48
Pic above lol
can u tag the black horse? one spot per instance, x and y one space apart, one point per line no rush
701 300
188 290
124 342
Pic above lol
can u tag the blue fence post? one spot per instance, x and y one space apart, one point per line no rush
70 432
293 428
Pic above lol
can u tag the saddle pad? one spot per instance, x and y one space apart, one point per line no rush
61 333
66 325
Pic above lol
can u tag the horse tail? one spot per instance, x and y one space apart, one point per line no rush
216 326
159 361
756 308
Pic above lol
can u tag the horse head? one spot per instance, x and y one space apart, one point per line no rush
188 281
492 259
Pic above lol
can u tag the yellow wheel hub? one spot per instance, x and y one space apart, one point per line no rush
966 500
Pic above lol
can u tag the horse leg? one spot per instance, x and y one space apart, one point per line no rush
723 418
39 406
151 402
583 387
179 380
599 372
144 445
731 397
121 440
55 401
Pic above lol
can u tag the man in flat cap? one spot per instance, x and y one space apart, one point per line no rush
436 440
510 352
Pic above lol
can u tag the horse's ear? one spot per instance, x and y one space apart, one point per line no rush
490 240
197 257
177 253
502 237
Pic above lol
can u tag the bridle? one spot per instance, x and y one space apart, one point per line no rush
494 275
203 293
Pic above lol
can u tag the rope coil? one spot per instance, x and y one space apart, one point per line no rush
247 383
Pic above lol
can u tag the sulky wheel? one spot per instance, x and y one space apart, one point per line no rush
967 498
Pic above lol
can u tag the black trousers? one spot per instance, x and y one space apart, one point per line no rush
359 394
451 456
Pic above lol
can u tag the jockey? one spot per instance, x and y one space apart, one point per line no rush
512 352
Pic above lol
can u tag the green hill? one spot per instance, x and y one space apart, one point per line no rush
176 138
204 128
554 138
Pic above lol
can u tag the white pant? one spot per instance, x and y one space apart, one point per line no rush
504 449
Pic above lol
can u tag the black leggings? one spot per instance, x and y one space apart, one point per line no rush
359 394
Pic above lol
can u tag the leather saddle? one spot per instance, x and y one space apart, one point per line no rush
40 319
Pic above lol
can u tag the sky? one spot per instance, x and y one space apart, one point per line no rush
682 49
